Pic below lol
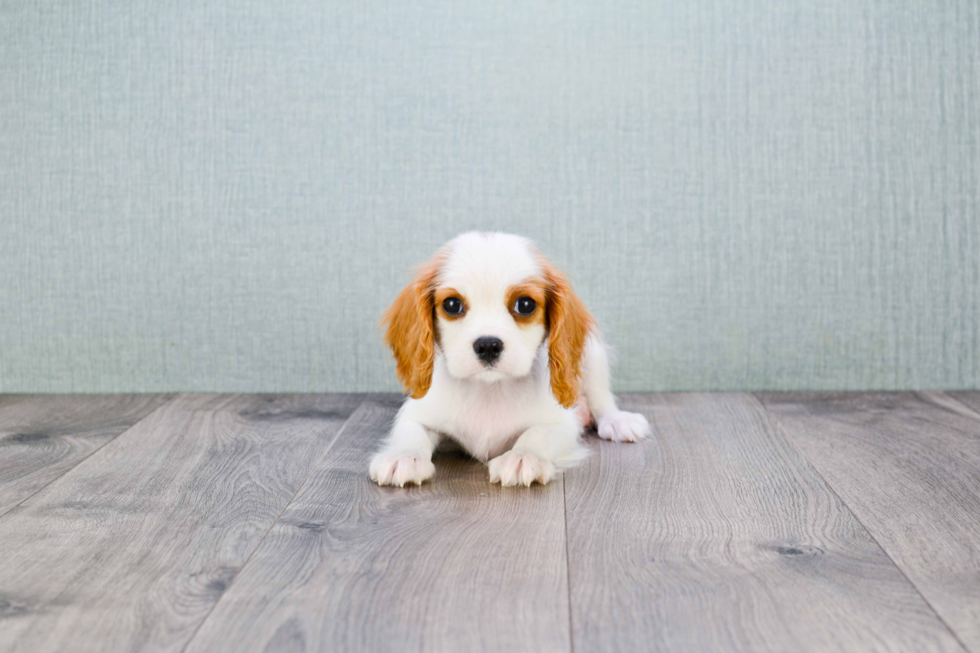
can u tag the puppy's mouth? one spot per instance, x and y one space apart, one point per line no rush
489 374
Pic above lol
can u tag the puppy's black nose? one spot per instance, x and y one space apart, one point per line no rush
488 348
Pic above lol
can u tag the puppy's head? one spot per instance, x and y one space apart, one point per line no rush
489 302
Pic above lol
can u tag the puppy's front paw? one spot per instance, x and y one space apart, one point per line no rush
620 426
401 467
524 468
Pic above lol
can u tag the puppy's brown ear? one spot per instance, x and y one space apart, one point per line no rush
410 333
569 326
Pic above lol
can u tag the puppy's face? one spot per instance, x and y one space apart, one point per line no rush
489 302
490 305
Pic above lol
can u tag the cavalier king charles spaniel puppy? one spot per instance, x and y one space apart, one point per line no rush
501 356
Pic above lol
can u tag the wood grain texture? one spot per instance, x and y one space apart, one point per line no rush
132 548
969 399
908 465
455 565
43 436
717 535
10 399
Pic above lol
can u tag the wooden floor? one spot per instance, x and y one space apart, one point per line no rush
803 522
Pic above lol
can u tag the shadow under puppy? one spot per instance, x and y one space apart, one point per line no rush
499 354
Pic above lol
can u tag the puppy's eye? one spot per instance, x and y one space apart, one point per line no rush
525 306
452 306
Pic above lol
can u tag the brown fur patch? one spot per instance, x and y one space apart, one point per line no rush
569 326
442 294
410 331
536 290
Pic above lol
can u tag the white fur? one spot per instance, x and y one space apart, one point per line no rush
507 415
482 267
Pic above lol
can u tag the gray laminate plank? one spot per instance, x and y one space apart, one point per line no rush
43 436
131 549
455 565
10 399
969 399
909 467
717 535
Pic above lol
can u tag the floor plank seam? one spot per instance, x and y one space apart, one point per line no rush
82 460
789 440
568 565
968 408
258 544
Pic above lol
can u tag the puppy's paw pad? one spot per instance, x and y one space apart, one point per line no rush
513 468
620 426
401 468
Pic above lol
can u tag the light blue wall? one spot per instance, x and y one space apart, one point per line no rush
766 194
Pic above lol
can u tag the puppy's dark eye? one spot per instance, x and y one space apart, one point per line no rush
452 306
525 306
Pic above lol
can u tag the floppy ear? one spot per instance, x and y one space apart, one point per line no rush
410 333
569 326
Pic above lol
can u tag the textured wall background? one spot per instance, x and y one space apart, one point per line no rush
765 194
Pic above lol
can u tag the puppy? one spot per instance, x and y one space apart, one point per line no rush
499 354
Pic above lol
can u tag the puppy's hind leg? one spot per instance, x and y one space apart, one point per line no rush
611 423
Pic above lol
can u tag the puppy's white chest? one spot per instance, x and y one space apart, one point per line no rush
487 424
